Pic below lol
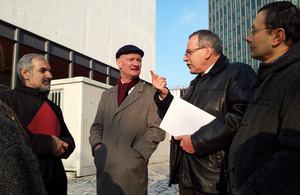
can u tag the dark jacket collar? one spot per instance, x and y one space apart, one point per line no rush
282 62
23 88
218 66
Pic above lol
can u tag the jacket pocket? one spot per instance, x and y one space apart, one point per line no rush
100 159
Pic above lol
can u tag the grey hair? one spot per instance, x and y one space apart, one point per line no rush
25 64
208 38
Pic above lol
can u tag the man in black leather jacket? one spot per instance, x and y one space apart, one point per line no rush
222 89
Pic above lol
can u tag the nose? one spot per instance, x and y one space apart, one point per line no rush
49 75
185 58
248 39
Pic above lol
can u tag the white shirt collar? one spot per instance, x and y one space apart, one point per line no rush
207 70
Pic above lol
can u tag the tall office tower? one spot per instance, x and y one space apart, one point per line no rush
232 20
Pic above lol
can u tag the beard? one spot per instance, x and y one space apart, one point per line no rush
44 87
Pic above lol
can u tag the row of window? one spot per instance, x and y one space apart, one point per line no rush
231 20
65 63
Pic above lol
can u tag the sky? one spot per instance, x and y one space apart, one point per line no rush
175 21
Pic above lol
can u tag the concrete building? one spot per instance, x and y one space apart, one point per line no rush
79 38
232 20
178 92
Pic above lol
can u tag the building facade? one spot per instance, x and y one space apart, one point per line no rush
79 38
178 92
232 20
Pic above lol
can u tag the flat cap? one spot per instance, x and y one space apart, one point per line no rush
127 49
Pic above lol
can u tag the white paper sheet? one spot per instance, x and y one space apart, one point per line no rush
184 118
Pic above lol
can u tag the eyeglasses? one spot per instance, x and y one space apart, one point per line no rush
252 32
188 53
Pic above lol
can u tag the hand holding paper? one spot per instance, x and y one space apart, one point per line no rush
186 143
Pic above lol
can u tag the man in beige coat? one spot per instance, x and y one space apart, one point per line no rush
126 129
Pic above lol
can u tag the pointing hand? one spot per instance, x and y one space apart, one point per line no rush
160 85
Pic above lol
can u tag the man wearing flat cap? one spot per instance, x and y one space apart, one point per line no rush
126 129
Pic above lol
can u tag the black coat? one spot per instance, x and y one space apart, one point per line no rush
26 102
265 153
224 92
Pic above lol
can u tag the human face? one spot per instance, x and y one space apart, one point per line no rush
260 40
130 66
39 76
195 60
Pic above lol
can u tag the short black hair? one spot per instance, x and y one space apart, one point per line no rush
283 15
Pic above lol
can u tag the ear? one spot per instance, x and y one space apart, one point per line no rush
119 63
279 37
208 52
25 74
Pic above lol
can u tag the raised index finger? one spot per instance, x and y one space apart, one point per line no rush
154 76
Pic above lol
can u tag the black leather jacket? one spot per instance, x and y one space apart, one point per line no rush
223 92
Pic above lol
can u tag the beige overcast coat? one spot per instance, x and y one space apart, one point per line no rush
129 134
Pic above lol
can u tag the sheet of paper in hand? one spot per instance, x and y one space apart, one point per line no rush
184 118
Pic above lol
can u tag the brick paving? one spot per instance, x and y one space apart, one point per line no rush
157 185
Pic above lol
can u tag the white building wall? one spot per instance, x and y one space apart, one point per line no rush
96 28
175 92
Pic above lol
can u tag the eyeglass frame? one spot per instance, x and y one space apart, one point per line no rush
252 32
190 52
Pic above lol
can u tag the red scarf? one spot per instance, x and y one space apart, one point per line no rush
123 88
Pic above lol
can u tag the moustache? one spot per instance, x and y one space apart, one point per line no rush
47 80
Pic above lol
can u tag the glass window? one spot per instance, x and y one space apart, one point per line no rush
59 66
99 76
5 74
113 81
258 3
253 5
80 71
233 6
